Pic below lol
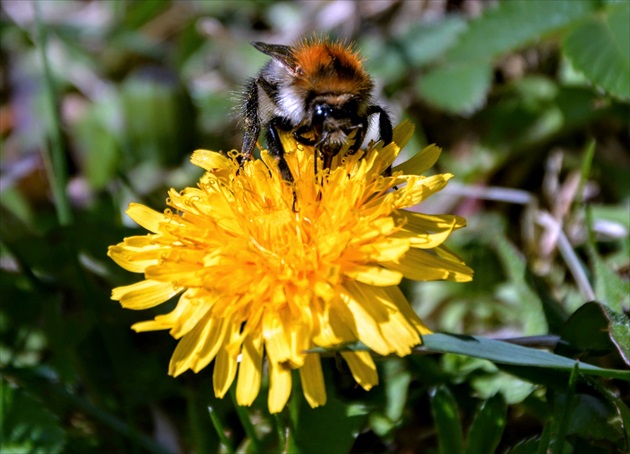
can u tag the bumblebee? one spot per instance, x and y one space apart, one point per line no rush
317 90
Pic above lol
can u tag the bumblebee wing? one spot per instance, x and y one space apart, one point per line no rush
280 53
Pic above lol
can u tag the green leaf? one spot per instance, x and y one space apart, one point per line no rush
612 213
34 381
331 428
591 418
564 411
619 331
459 88
615 400
446 420
514 24
57 171
554 311
513 389
600 49
98 142
28 426
427 41
505 353
528 446
610 288
535 110
487 427
515 267
461 84
585 333
396 378
157 116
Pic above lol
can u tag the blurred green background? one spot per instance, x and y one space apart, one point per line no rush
102 104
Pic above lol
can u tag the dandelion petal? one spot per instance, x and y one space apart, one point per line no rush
250 371
279 386
144 294
363 368
313 380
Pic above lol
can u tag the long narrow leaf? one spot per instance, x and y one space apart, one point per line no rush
488 425
56 169
446 419
506 353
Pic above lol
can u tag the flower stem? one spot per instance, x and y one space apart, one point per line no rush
243 416
216 422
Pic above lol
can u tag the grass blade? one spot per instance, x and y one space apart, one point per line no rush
487 427
55 159
446 420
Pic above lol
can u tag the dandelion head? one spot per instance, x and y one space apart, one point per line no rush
266 270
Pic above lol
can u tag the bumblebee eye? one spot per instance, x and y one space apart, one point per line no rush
321 112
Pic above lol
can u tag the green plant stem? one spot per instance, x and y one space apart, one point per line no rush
567 408
545 437
587 163
55 158
243 416
216 422
283 431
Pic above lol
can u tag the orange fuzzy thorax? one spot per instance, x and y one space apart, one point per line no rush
330 67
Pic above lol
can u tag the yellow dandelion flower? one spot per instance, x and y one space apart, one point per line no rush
270 269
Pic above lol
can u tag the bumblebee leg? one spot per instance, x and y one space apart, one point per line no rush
275 145
252 123
299 137
361 130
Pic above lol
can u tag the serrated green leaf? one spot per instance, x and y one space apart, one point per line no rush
514 24
610 288
616 401
593 418
446 419
600 49
460 85
619 332
457 88
487 427
505 353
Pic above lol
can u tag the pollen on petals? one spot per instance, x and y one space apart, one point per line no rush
267 270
